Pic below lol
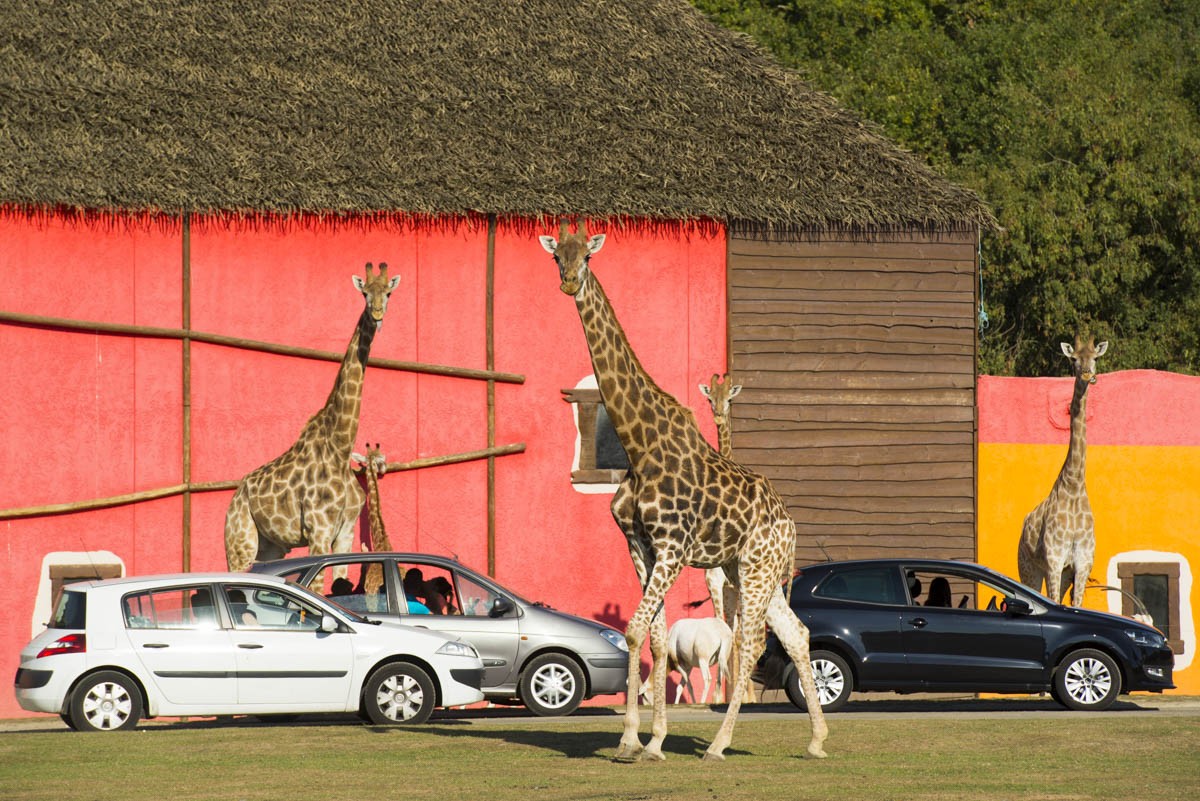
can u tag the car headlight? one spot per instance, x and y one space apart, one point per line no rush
615 639
458 648
1149 638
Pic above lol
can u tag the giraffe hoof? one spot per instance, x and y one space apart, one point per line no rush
628 753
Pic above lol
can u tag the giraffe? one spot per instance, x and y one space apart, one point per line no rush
720 392
682 503
373 466
309 495
1058 538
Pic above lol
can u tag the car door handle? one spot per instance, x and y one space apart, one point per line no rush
919 622
155 645
249 645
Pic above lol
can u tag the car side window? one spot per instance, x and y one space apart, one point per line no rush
261 608
874 584
476 599
361 587
176 608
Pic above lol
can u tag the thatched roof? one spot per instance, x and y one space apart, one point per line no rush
613 108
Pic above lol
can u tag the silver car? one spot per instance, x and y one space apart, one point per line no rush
545 659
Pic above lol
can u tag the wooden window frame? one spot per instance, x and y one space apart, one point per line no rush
587 404
1127 570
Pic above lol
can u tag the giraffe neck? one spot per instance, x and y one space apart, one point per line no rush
633 401
379 537
1072 473
338 419
724 440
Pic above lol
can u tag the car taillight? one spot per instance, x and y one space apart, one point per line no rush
67 644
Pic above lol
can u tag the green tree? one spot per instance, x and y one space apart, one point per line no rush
1077 120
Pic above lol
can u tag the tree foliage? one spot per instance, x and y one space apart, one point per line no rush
1077 120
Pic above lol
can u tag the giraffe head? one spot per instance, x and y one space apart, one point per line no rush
719 393
373 461
376 289
1083 357
572 252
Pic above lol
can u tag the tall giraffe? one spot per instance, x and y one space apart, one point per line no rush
373 466
309 495
682 503
1058 538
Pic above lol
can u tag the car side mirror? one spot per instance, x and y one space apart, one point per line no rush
500 607
328 624
1015 606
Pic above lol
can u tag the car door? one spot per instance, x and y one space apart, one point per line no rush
177 636
282 656
967 648
480 614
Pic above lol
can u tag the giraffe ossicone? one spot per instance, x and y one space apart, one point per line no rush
683 503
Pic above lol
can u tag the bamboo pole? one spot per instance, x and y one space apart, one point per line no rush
41 321
216 486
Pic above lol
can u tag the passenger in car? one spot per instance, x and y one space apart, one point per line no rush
939 593
439 596
414 588
914 589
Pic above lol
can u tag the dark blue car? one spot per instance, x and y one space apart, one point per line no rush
922 625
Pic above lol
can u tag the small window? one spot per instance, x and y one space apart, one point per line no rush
875 585
1156 586
71 612
601 458
176 608
361 587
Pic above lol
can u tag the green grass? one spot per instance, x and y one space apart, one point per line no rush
996 758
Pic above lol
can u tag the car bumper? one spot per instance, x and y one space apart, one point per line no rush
607 673
460 686
1154 673
39 690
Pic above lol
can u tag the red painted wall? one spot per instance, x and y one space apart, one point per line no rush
86 416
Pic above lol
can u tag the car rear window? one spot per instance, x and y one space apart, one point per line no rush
71 612
876 585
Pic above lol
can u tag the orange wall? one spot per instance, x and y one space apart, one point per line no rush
1143 477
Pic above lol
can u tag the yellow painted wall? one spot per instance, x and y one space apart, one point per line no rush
1144 498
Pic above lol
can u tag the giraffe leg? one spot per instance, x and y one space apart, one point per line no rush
241 535
649 620
1083 569
794 636
753 614
1054 575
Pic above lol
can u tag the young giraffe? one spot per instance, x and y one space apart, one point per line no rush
682 503
374 465
309 495
1058 538
720 392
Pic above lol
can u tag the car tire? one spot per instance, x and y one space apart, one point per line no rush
551 685
105 701
399 694
1087 680
834 681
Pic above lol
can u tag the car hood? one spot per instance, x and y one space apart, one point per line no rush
577 626
1107 617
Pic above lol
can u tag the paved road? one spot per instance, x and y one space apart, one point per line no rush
860 707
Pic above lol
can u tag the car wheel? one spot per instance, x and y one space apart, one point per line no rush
1087 680
832 677
67 720
552 684
105 701
399 693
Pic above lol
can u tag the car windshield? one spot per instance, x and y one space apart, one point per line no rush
307 593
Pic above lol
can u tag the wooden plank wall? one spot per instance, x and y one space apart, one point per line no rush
857 359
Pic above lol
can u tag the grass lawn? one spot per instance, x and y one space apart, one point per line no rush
995 758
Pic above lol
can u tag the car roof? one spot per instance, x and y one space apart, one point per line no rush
919 561
352 556
166 579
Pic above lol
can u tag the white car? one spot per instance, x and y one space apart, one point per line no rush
230 644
